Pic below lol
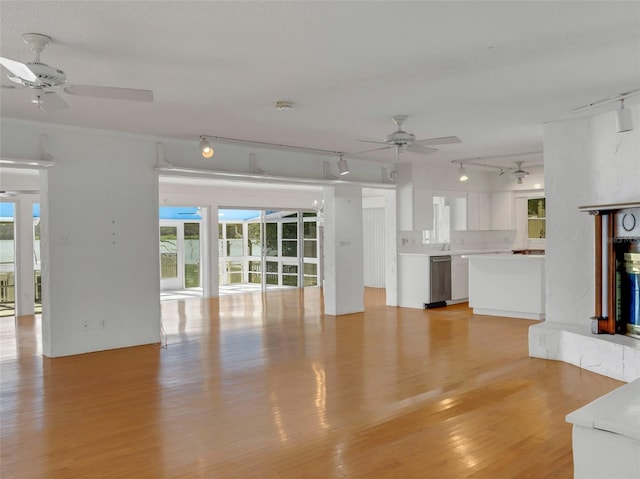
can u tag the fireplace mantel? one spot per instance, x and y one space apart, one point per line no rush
610 208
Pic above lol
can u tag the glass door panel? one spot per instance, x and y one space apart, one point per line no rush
7 259
37 264
170 272
192 273
273 249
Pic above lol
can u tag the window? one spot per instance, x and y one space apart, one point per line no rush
310 274
253 237
235 244
254 271
310 240
168 252
290 239
271 240
234 272
290 275
191 255
272 272
536 218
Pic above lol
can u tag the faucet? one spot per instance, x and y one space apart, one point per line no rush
446 246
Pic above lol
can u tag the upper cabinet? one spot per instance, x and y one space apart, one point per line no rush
491 211
479 210
502 211
415 208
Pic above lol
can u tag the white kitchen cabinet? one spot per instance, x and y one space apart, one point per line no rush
415 208
502 210
459 277
413 280
479 210
422 209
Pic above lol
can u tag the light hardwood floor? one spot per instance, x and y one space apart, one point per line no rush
253 386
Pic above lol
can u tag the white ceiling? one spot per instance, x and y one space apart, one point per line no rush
489 72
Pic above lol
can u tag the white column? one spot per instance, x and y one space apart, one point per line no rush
24 257
210 259
391 249
343 250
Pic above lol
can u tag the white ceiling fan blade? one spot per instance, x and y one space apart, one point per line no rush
49 101
13 193
111 93
445 140
421 150
19 70
369 151
376 142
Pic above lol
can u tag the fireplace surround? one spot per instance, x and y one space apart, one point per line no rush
617 268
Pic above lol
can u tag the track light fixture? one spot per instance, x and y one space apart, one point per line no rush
206 150
462 173
624 121
343 167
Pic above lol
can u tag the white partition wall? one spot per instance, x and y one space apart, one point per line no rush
343 255
100 260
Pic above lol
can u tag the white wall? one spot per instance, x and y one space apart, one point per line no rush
586 163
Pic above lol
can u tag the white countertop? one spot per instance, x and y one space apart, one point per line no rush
616 412
508 256
455 252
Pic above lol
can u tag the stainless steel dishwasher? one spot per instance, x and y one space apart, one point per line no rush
440 280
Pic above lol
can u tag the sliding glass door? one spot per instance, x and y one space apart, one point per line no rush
268 249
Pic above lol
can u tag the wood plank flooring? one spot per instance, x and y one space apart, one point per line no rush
253 386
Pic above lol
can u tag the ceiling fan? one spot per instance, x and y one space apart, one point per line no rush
403 141
42 79
518 173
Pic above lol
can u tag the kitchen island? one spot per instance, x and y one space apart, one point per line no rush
509 285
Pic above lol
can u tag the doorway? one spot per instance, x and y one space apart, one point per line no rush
180 249
268 249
